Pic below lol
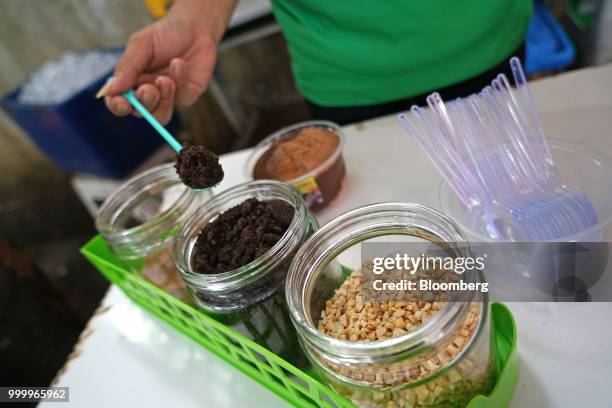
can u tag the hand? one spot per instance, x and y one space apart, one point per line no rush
169 62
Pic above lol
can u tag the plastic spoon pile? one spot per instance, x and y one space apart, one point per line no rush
492 151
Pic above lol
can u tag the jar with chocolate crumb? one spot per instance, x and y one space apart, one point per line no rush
391 353
141 219
249 297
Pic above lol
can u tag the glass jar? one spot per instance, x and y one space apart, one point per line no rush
141 219
320 185
413 369
249 299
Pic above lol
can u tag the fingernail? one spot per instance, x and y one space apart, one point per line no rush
148 99
122 108
104 90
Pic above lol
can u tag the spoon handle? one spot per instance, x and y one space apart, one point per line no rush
131 98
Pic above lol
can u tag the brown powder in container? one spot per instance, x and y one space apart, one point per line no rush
296 156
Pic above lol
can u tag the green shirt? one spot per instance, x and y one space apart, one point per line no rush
362 52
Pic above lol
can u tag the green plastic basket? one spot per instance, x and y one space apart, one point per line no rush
290 383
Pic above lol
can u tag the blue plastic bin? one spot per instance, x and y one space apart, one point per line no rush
80 135
548 47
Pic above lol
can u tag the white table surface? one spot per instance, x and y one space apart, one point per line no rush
127 358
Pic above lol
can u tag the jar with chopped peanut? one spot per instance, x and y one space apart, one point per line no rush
250 298
141 219
401 353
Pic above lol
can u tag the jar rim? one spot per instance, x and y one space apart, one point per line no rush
246 274
155 233
137 184
287 132
297 286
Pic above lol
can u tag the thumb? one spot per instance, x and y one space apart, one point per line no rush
134 61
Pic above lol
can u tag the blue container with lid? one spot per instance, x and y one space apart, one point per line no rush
548 47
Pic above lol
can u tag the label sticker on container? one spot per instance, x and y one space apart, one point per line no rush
310 191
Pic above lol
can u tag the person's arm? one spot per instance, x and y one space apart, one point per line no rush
170 61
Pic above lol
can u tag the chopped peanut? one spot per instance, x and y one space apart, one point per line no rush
346 316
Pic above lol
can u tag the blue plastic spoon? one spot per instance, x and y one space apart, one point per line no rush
131 98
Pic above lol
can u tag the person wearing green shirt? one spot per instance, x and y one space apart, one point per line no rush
352 60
